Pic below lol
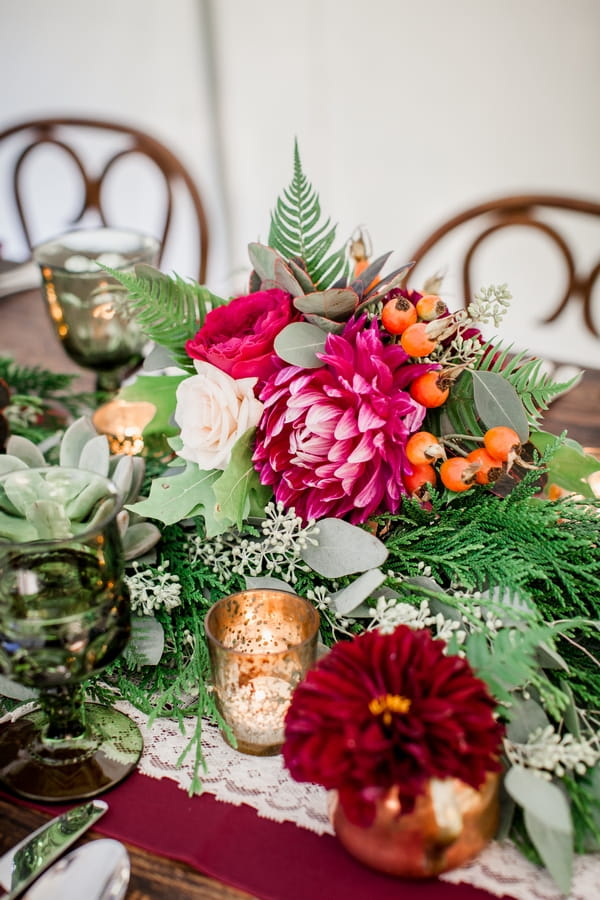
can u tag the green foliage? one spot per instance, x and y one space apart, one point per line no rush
298 232
534 386
169 309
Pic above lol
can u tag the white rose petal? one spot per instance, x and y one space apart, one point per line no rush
214 410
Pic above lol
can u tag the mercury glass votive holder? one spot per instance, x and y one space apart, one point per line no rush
123 423
261 645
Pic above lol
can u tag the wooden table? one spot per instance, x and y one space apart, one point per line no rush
27 336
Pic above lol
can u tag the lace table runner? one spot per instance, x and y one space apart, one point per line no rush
263 784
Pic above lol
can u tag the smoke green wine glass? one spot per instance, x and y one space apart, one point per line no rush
64 617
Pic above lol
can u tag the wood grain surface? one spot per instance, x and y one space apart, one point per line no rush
152 877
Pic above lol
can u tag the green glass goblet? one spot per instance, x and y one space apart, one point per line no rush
84 301
64 616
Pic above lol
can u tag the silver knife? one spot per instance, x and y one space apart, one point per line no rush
24 862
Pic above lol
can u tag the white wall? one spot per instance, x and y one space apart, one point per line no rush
406 112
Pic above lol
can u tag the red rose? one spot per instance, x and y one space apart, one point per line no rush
238 338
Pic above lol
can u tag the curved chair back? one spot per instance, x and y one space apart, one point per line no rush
536 211
63 133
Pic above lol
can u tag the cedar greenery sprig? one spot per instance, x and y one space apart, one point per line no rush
298 232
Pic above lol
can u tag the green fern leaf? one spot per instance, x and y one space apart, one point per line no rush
168 309
297 231
535 387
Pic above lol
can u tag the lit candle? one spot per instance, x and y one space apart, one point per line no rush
261 644
123 424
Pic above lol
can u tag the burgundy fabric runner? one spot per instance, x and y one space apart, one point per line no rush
233 844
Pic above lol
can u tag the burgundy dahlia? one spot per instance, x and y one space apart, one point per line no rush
390 709
332 440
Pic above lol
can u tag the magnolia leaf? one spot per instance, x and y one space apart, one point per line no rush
161 392
334 303
569 466
547 819
497 402
175 497
139 539
298 343
267 583
74 440
343 549
25 450
525 717
232 489
16 691
346 601
147 641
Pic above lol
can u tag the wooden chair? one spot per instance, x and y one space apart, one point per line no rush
532 211
66 134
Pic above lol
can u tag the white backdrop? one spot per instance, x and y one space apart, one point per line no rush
406 112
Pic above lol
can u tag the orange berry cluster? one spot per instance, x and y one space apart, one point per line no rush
411 321
484 465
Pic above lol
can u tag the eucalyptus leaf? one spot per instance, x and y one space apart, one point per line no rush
497 403
343 549
262 259
267 583
301 277
298 343
25 450
346 601
547 819
147 641
526 716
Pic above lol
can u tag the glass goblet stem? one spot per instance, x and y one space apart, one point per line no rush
63 705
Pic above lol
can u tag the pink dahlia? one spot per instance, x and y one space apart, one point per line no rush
390 709
331 441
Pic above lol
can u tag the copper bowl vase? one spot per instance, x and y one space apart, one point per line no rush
450 824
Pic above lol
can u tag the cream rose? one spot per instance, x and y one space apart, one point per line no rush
214 410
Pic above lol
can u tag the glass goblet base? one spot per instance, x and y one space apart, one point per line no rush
57 771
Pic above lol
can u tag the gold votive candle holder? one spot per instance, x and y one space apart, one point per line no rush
123 423
261 644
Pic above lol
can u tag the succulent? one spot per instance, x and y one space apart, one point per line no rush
83 448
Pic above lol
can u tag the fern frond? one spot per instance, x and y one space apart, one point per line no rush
168 309
297 230
534 386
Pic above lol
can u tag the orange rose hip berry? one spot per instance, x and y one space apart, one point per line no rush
429 390
423 447
416 341
398 314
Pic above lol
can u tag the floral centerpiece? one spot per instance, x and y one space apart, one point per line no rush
341 435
